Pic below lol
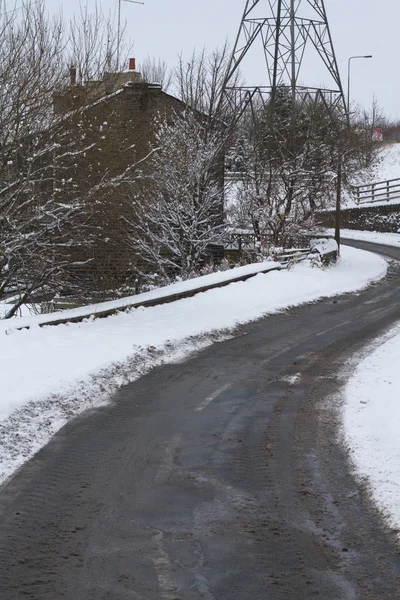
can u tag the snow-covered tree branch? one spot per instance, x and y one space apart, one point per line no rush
178 211
286 160
44 215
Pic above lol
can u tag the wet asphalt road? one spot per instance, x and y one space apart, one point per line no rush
219 478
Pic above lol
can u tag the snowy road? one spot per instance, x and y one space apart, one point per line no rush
218 478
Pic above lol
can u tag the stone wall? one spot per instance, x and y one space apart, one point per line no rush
370 218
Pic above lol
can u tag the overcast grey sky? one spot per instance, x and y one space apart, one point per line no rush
165 28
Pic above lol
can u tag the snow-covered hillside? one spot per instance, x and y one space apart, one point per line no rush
386 167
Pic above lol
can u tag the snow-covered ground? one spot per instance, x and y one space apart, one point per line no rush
371 418
387 239
371 413
26 319
50 374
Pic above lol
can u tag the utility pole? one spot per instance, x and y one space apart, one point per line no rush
119 27
338 212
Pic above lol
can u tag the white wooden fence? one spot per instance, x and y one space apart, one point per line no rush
380 191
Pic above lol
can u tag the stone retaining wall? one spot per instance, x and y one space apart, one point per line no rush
369 218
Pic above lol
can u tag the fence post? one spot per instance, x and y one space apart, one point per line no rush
373 192
387 191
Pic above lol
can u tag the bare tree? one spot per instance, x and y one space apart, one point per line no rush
31 49
364 125
178 212
157 71
179 217
93 44
43 214
287 172
199 83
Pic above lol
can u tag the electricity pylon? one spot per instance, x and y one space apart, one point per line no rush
286 31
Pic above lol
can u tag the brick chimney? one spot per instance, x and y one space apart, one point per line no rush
132 64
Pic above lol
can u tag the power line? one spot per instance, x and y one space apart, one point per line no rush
9 12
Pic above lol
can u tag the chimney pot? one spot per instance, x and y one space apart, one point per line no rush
132 64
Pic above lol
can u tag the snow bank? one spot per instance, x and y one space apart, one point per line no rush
371 419
163 292
39 362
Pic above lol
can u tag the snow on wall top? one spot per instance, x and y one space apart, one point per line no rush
169 290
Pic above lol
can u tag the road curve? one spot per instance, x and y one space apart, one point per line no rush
219 478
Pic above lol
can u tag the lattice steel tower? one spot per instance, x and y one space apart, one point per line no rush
287 30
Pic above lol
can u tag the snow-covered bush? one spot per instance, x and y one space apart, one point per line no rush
178 214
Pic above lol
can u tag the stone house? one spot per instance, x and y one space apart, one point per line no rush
113 122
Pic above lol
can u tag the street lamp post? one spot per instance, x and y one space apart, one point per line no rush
348 78
119 26
340 158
